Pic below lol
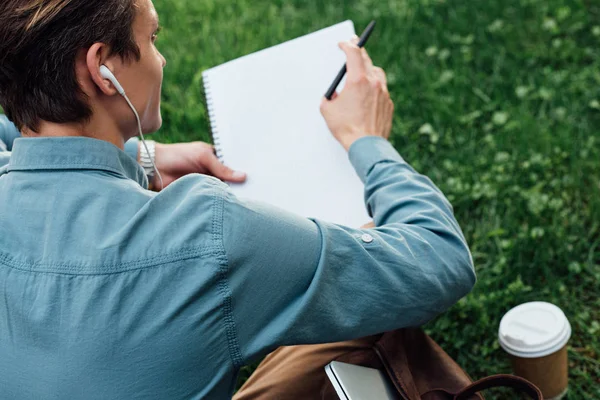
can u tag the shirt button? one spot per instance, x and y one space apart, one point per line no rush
367 238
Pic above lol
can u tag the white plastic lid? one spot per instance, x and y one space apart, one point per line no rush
533 330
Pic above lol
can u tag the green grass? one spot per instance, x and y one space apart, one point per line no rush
498 101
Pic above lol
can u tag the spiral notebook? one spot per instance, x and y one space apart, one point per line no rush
265 120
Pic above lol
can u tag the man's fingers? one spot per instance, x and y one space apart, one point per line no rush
368 62
380 74
388 125
366 58
218 170
325 101
355 61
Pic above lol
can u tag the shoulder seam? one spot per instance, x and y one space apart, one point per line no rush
224 290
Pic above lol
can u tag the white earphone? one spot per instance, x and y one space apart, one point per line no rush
107 74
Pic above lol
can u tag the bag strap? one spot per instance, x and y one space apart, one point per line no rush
399 374
494 381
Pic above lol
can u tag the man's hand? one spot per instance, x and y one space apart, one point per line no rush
176 160
364 107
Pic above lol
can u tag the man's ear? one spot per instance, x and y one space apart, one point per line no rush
96 56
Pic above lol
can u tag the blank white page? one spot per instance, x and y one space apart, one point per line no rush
265 117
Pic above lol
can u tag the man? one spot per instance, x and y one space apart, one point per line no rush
111 291
172 160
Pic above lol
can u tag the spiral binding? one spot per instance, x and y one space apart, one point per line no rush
214 130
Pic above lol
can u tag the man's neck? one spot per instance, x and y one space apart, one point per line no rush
107 131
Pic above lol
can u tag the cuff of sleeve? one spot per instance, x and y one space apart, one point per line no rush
370 150
131 148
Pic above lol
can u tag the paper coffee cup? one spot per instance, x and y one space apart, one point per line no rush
535 335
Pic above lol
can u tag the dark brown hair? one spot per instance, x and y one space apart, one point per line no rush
39 41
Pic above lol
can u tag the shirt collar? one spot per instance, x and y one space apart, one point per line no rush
73 153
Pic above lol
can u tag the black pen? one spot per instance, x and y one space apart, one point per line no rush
361 42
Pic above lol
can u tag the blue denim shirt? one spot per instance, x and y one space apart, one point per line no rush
111 291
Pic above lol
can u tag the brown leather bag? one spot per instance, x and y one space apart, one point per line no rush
421 370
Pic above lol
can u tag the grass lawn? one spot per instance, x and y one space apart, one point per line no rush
498 101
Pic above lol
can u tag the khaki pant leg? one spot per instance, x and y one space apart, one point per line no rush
296 372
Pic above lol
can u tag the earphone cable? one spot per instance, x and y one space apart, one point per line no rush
137 117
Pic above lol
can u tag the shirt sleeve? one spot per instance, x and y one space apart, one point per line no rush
299 281
8 133
131 148
4 158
